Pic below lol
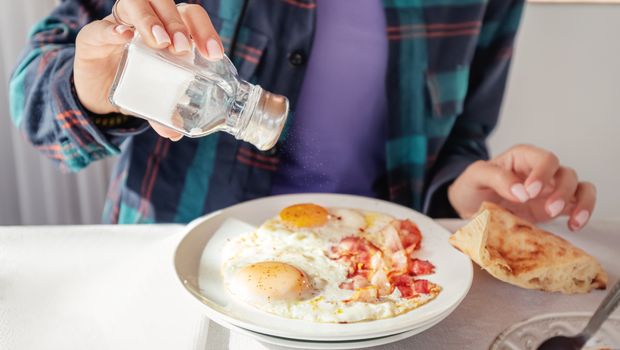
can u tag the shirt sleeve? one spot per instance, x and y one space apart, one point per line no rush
44 104
489 71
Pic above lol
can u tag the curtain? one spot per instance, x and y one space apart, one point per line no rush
32 189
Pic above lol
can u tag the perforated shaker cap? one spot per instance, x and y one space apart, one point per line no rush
267 122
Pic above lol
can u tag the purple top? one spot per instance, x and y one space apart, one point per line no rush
336 142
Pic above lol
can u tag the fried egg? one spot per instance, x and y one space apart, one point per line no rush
261 282
330 225
287 267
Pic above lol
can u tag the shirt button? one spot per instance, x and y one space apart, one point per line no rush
297 58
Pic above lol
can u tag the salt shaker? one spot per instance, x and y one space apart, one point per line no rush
196 97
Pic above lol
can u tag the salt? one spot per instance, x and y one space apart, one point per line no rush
196 97
150 87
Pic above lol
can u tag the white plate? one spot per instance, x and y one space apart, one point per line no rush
340 345
454 272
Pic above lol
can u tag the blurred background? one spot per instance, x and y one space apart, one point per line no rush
563 95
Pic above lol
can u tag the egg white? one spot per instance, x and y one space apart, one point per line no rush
306 249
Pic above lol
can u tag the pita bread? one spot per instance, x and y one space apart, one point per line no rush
515 251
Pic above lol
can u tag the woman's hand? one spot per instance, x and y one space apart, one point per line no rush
530 182
161 23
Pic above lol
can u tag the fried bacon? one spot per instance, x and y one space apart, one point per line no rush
393 242
379 276
367 294
374 273
410 235
356 282
419 267
405 285
421 286
409 287
357 253
400 261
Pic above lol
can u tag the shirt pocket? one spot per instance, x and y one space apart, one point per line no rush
248 50
447 90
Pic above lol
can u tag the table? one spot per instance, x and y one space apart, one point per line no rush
114 287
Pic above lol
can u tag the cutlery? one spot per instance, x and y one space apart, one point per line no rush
576 342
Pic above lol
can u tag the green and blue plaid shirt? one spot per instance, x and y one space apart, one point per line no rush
448 64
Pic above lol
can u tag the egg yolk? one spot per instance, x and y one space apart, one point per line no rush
272 281
304 215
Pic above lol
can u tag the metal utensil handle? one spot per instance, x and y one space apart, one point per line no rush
603 311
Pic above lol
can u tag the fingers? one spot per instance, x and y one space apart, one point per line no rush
147 22
164 24
101 38
539 164
202 31
169 15
166 132
504 182
104 32
554 190
566 183
585 198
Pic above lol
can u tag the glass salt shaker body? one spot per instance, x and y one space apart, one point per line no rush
196 97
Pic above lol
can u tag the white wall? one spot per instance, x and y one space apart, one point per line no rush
564 93
32 190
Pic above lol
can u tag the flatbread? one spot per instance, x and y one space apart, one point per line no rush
515 251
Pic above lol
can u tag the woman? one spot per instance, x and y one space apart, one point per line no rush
390 99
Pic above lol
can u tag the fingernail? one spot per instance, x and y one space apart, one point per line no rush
556 208
121 28
534 189
181 44
215 50
161 37
581 218
518 190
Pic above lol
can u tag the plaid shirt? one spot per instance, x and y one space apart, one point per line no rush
448 63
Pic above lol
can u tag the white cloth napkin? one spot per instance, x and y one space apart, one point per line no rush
135 303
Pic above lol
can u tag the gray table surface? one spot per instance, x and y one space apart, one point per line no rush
74 251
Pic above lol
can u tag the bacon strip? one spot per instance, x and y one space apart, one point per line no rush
421 286
419 267
392 239
410 235
356 252
405 285
374 273
354 283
